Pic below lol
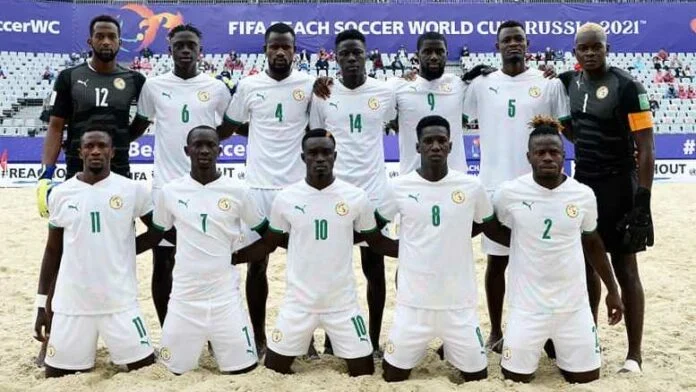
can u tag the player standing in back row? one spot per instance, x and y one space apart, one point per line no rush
504 103
176 102
355 114
611 120
98 92
272 109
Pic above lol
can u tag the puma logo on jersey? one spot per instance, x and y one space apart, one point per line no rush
73 207
82 82
185 203
414 197
495 90
144 343
262 96
166 95
363 339
301 208
250 351
528 204
334 104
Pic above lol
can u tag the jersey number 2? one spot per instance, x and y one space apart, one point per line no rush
546 235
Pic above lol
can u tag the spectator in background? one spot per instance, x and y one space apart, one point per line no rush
322 63
229 61
146 53
686 73
135 64
401 52
654 105
145 64
663 55
668 77
559 55
253 71
47 74
657 63
548 55
331 56
377 63
2 73
465 51
671 92
637 65
304 65
238 65
659 76
415 65
304 55
397 64
539 56
692 92
683 92
676 65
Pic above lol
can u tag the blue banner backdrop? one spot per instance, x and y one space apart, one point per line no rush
63 27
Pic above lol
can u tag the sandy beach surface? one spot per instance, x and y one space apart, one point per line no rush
669 347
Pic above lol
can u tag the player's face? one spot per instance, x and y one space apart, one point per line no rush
319 154
185 47
546 156
591 50
203 149
432 56
280 51
512 44
105 41
434 144
350 56
96 151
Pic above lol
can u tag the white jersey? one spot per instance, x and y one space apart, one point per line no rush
176 106
436 265
504 105
97 270
547 267
278 113
320 275
356 119
443 97
207 221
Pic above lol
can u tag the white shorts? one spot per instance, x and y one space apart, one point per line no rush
189 326
72 344
574 336
264 201
155 196
490 247
346 329
414 328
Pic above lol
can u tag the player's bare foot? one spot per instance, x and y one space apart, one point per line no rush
631 366
495 343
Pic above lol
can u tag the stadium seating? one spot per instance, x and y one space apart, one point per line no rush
23 93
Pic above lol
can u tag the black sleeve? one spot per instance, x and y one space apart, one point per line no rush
62 105
634 97
139 82
566 78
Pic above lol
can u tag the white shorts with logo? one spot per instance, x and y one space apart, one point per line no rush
490 247
189 325
414 328
574 336
346 329
72 344
264 201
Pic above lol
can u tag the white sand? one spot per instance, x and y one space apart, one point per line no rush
669 345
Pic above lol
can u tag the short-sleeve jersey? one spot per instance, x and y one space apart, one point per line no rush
605 113
320 224
356 119
278 114
504 105
547 267
207 219
176 106
97 269
436 265
420 98
85 98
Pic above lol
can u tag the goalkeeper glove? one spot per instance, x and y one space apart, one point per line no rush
44 189
636 225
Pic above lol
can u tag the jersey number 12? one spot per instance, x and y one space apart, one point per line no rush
100 95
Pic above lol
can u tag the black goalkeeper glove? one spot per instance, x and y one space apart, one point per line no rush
477 71
636 225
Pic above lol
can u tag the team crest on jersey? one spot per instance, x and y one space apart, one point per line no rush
119 83
458 197
373 103
224 204
298 94
116 202
534 92
50 351
389 347
165 354
572 210
203 96
602 92
342 208
276 335
446 88
507 353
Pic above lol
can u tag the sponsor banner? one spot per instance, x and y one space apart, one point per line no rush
63 27
675 170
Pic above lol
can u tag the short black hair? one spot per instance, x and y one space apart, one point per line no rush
185 27
544 126
317 132
508 24
280 28
430 35
349 34
429 121
188 136
103 129
104 18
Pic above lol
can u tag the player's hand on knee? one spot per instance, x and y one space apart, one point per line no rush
44 189
637 225
322 87
615 308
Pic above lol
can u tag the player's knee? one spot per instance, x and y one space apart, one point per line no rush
480 375
516 377
581 378
393 374
147 361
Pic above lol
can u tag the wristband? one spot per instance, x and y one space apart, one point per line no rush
41 300
47 171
